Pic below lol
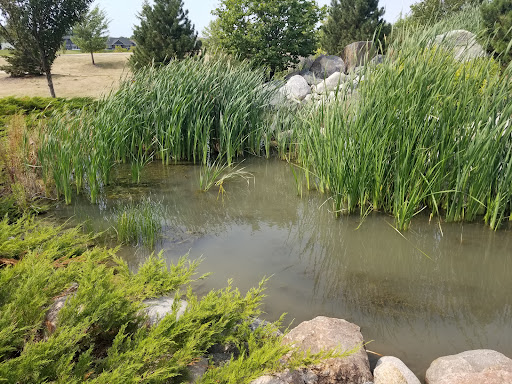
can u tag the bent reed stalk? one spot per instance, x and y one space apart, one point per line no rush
188 110
427 133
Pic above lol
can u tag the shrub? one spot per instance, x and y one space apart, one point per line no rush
100 335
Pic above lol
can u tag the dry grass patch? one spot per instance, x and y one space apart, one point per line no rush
73 76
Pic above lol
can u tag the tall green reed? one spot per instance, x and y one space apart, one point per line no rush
424 133
188 110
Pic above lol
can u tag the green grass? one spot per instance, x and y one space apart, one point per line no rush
427 134
190 110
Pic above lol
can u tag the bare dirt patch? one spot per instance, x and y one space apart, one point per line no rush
73 76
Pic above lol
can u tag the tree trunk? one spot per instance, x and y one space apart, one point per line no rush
50 83
92 58
47 71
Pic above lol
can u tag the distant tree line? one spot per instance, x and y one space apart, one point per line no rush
270 33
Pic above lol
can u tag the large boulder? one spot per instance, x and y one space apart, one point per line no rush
471 367
288 377
331 83
156 309
391 370
324 333
297 88
357 54
462 43
325 66
311 78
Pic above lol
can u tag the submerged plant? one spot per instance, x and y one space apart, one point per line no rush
139 223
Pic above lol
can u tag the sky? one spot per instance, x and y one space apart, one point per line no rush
122 13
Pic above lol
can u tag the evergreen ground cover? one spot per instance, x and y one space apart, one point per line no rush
100 334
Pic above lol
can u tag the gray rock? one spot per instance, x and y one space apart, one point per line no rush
288 377
391 370
463 44
379 59
306 63
311 78
325 66
197 370
357 54
297 88
331 83
52 314
324 333
308 98
156 309
471 367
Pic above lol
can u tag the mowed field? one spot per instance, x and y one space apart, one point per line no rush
73 76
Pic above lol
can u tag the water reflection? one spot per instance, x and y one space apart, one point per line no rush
413 306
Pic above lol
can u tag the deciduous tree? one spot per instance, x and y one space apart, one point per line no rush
352 20
273 33
37 27
164 33
90 34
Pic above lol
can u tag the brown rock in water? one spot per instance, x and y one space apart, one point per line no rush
471 367
325 333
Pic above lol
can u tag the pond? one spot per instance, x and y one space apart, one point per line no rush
436 290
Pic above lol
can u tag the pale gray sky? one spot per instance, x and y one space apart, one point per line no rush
123 12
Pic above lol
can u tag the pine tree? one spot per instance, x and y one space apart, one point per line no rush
164 33
91 33
352 20
497 17
431 11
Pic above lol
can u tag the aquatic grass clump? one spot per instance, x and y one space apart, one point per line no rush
189 110
426 134
216 174
139 223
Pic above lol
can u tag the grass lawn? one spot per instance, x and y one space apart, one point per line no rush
73 76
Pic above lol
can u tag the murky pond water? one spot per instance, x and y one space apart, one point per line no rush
438 291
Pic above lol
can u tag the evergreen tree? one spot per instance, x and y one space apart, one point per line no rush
272 33
90 35
429 11
24 57
164 33
497 17
36 28
352 20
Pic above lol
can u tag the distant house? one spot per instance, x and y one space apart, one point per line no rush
4 45
70 46
122 42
